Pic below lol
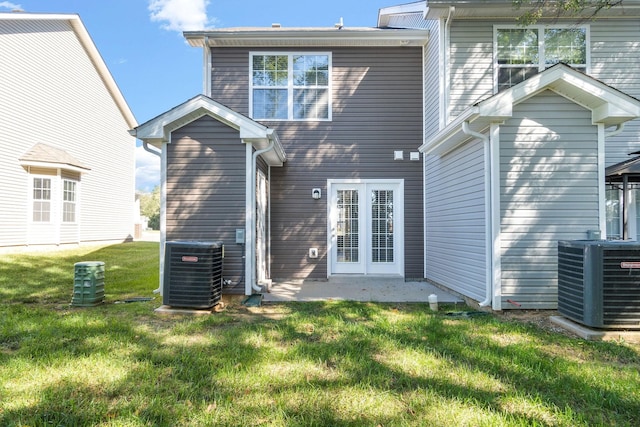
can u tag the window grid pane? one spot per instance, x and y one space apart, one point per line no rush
270 103
311 104
303 95
41 199
347 230
69 201
519 56
382 226
565 45
518 46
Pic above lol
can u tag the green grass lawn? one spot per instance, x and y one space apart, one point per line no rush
297 364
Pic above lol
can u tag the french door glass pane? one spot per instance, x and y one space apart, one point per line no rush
382 226
347 228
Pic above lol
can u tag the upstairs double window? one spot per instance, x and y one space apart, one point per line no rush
523 52
290 86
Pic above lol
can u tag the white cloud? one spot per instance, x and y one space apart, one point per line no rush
147 170
9 5
180 15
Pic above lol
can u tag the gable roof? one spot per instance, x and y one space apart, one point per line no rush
630 167
43 155
90 48
608 106
158 130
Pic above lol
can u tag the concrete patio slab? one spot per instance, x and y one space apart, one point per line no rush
375 289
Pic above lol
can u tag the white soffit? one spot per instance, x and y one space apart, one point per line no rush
307 37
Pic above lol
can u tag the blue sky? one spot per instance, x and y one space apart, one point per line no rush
141 42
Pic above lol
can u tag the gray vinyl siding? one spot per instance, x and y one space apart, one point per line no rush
548 192
57 97
377 108
205 185
432 88
615 59
471 62
455 220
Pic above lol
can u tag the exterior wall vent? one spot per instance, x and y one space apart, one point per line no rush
193 274
599 283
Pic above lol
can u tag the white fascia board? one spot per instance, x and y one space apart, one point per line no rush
609 106
309 37
51 165
161 126
158 130
485 9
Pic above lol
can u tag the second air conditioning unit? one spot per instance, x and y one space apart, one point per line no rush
599 283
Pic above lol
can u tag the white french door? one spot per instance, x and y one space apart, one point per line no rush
366 219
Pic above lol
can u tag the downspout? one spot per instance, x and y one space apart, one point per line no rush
251 255
616 131
447 31
150 150
488 216
162 238
206 67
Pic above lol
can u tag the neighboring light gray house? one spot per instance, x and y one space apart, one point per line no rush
66 159
446 144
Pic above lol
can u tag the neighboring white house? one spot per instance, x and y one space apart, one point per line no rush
67 162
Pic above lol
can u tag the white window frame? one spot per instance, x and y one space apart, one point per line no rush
73 202
33 199
541 66
290 86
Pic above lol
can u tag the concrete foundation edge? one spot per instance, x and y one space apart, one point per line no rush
590 334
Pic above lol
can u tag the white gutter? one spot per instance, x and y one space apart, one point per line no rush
163 238
250 241
488 216
146 147
616 131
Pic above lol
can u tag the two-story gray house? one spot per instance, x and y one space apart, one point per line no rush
448 143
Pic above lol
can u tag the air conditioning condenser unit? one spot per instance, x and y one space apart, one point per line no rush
599 283
193 274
